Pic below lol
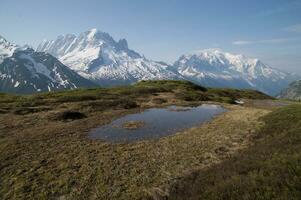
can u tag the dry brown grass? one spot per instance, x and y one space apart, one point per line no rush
46 159
42 157
267 169
132 125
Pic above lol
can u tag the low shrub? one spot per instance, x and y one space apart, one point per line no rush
69 115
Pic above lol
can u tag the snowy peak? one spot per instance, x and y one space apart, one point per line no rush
82 52
23 70
214 59
213 67
6 49
217 58
3 41
96 55
69 43
97 35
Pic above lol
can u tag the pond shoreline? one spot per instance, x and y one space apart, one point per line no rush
157 123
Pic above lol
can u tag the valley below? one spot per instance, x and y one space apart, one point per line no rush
250 151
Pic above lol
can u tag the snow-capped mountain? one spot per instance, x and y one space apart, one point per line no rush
98 57
215 68
6 49
23 70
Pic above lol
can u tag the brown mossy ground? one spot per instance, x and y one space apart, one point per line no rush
268 169
132 125
43 157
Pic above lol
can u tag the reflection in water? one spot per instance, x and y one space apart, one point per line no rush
158 122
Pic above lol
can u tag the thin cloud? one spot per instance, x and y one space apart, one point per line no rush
242 42
294 28
270 41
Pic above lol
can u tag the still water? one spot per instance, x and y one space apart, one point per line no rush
158 122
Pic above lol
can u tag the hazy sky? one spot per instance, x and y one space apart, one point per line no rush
165 29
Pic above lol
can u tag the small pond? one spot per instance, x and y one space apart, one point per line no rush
155 123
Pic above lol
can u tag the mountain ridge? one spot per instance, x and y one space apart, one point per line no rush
23 70
97 56
213 67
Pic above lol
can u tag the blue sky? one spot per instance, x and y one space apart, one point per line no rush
165 29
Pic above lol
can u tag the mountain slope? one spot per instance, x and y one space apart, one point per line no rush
292 92
22 70
215 68
97 56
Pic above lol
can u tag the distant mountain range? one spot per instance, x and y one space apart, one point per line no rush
98 59
215 68
97 56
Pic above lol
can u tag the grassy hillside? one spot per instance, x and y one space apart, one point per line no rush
45 152
121 97
270 169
